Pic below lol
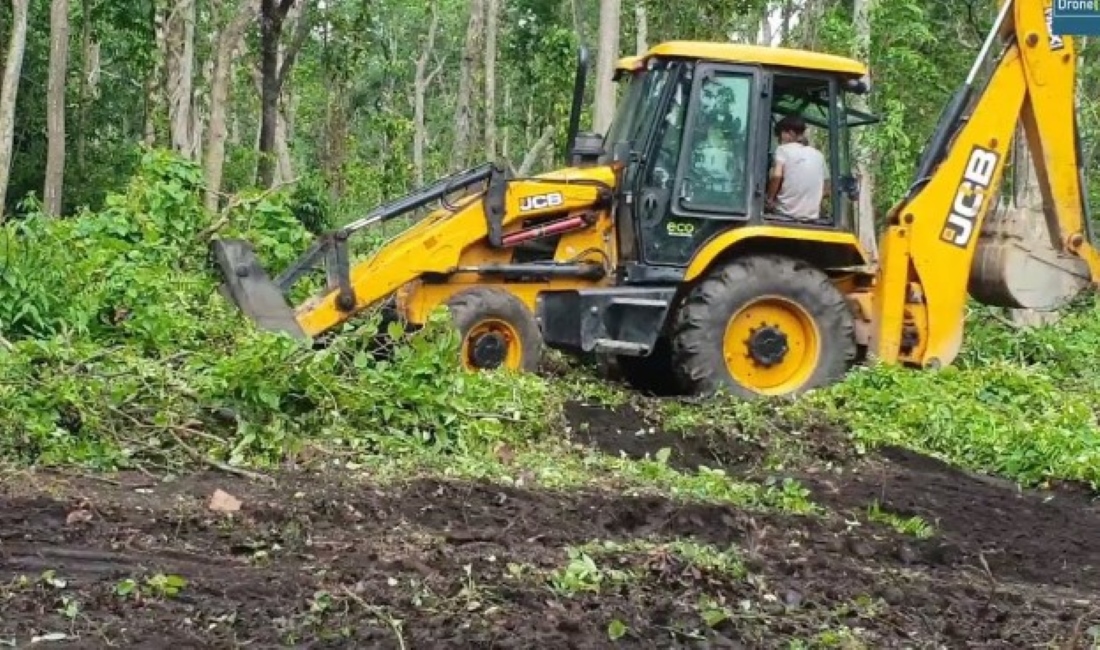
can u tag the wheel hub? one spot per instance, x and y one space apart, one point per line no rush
489 350
767 345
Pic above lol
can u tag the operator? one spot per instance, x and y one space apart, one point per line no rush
799 179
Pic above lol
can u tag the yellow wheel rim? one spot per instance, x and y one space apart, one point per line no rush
492 343
771 346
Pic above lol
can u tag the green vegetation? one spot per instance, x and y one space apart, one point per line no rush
1019 403
123 353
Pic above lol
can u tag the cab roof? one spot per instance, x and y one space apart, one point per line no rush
759 54
627 63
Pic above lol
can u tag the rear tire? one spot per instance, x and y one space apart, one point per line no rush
497 330
763 325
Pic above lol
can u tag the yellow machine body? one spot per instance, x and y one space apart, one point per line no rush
632 253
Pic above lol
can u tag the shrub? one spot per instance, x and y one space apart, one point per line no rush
124 351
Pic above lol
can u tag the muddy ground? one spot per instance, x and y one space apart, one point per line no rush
327 561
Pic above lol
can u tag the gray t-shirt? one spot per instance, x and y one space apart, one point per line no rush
804 174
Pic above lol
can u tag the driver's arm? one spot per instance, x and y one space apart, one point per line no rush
775 179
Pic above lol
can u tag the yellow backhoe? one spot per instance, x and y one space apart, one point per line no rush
658 244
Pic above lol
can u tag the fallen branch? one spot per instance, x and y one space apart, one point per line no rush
195 454
1006 321
235 202
216 464
537 150
381 613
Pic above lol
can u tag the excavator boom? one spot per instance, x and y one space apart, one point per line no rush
944 240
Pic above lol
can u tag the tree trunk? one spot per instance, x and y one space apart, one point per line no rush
641 28
785 23
766 33
55 107
200 102
492 11
506 140
607 55
541 146
284 172
156 79
464 117
334 151
420 89
181 76
228 45
284 126
89 83
272 14
13 68
275 66
865 210
336 136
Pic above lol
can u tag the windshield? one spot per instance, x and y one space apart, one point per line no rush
641 97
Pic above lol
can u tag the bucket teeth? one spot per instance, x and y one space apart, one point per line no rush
247 285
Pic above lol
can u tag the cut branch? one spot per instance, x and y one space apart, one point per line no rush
532 157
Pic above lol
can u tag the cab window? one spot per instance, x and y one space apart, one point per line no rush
716 148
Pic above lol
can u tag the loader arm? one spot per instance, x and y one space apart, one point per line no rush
928 251
432 248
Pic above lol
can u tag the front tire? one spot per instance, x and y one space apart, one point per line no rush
497 330
764 325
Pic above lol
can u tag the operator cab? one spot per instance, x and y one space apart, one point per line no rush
695 132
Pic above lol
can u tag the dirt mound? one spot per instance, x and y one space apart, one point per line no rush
319 561
629 431
1023 536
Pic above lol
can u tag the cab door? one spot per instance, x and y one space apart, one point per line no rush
698 174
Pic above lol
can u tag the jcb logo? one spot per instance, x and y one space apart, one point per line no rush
678 229
541 201
959 228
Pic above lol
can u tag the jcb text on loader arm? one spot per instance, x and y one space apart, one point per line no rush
655 246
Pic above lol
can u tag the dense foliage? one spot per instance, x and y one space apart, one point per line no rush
123 351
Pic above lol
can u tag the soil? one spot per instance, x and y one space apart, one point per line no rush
638 435
332 561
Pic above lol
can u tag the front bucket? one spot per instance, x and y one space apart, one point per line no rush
248 286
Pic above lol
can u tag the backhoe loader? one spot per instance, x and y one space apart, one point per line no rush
655 245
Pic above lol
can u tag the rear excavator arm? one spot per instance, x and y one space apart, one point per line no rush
938 246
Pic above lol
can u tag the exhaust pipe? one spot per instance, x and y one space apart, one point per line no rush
579 82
